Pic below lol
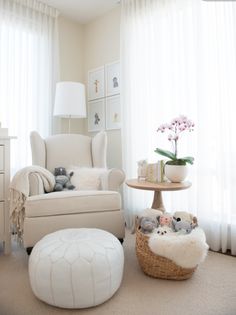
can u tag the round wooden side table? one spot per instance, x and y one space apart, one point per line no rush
157 188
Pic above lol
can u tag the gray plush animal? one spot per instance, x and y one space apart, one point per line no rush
62 179
186 216
147 224
182 226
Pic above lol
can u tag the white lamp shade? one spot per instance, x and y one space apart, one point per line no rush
70 100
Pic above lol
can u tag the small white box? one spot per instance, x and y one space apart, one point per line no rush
152 170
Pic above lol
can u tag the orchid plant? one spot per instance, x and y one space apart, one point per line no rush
175 128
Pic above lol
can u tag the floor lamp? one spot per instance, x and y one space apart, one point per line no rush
70 100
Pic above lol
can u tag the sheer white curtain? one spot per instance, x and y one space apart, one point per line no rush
179 57
28 71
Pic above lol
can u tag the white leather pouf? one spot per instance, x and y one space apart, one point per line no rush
76 268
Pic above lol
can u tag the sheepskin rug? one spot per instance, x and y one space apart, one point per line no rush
186 251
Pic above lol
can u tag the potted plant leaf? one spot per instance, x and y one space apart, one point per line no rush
176 168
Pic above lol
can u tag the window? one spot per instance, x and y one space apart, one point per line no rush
28 58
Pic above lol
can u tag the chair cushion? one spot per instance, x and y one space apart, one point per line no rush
68 202
66 150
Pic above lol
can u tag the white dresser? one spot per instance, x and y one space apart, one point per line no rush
5 236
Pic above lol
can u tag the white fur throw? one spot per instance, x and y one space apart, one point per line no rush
187 251
85 178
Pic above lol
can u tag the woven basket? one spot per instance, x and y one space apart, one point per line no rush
158 266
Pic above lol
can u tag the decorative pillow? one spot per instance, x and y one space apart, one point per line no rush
85 178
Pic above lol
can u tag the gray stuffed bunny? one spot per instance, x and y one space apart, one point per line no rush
62 179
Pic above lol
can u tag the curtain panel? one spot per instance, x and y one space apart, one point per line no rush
179 57
28 72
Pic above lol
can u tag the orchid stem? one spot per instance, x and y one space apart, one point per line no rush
176 148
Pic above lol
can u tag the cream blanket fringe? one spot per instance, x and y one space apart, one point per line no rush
20 190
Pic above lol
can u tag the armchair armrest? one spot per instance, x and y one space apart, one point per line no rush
35 185
112 179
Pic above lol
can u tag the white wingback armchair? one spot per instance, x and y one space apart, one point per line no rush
48 212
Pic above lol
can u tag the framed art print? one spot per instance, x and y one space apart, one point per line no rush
96 115
112 75
96 84
113 112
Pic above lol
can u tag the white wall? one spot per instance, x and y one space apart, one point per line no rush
84 47
71 55
101 46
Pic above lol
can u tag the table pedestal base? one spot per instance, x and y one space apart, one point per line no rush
157 201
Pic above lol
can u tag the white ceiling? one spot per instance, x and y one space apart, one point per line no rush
82 11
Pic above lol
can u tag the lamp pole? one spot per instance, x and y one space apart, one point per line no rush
69 122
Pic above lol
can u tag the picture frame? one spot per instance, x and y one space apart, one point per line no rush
96 83
112 78
96 115
113 112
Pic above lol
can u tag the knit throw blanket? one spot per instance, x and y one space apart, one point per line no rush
20 190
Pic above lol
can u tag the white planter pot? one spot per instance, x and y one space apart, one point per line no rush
176 173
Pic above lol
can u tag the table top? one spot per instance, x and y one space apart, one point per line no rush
165 186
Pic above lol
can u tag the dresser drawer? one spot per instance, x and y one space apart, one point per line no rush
2 187
2 219
1 157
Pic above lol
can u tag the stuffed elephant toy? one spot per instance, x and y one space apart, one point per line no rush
62 179
148 224
182 226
